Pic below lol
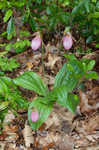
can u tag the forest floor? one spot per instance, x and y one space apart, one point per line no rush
62 130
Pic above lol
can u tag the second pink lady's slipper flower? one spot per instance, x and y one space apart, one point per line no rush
36 42
34 116
67 41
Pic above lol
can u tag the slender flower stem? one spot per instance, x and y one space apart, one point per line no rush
42 55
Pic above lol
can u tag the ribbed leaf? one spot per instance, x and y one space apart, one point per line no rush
7 15
69 75
90 65
67 99
72 102
81 4
3 105
62 95
31 81
10 27
3 88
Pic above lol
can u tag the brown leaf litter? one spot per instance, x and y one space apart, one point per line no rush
62 130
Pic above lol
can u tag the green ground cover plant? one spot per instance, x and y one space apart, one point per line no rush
81 17
8 64
69 77
82 14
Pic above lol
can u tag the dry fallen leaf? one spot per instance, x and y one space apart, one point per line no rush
52 59
92 124
47 147
50 137
53 120
66 143
29 65
85 107
51 49
27 134
8 118
2 145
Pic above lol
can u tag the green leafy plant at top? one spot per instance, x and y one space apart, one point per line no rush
80 14
69 77
85 14
7 64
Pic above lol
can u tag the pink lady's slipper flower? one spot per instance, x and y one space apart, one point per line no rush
67 41
34 116
36 42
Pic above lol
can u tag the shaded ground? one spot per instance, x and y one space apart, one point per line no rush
62 130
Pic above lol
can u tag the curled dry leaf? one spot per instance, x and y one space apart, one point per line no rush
84 104
48 147
2 145
51 49
51 137
52 59
27 134
66 143
94 93
92 124
53 120
8 118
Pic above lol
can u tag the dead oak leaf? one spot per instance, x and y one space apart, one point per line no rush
85 107
27 134
92 124
50 145
52 59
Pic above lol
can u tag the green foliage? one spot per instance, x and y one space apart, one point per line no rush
91 75
7 64
43 109
7 15
85 14
67 79
80 14
31 81
20 45
11 28
10 97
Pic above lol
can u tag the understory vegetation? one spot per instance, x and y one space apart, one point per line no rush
30 25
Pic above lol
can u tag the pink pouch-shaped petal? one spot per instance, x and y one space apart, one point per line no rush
34 116
67 42
36 43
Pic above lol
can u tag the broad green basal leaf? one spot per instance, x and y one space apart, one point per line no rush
72 102
62 95
43 111
67 100
31 81
69 75
8 81
3 88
